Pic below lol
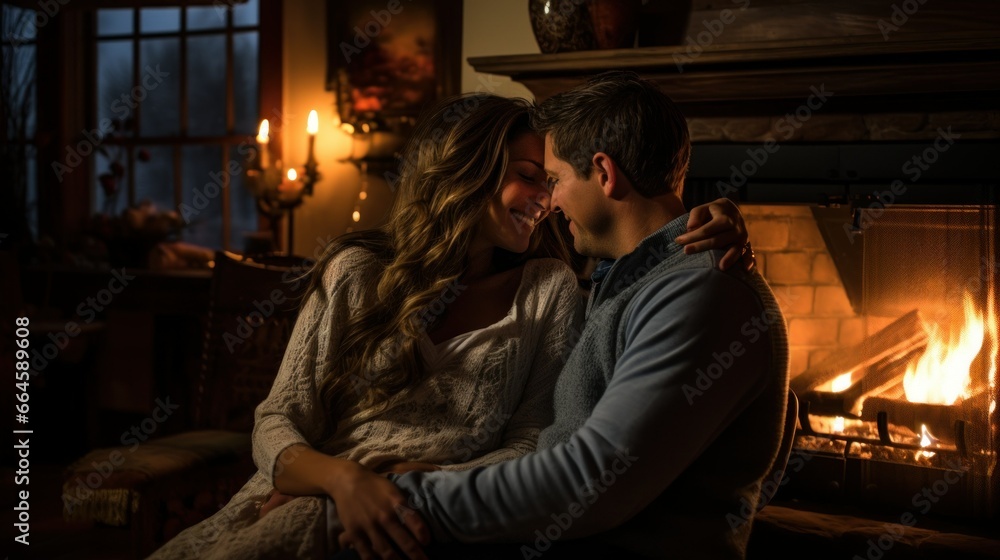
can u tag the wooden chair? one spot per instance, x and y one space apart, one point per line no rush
162 486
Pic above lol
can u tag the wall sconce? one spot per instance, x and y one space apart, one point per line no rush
279 192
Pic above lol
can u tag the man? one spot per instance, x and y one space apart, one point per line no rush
669 410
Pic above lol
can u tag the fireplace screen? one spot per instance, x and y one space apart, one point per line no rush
907 417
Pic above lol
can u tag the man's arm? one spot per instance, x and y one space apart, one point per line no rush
645 430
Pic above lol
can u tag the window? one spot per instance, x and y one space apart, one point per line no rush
18 105
177 98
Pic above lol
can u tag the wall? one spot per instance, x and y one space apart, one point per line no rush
328 212
793 257
495 28
490 28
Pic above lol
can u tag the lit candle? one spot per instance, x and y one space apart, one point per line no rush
262 139
290 184
312 127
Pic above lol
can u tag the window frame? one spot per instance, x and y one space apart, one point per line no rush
268 26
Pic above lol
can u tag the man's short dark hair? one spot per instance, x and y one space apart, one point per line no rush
628 118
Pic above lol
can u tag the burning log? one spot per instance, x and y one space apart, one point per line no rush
881 351
879 379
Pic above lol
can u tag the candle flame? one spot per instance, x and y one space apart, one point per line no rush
313 124
263 132
356 216
292 174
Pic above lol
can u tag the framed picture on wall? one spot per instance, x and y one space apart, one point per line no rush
389 59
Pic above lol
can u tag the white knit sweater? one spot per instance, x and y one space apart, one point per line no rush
487 397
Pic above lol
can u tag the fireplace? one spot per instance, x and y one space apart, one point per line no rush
890 298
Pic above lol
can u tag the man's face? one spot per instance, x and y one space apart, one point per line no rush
582 203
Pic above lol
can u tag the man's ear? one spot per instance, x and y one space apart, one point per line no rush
608 177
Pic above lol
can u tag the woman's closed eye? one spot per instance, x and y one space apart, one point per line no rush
538 178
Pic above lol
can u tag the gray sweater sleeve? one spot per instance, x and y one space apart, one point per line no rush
659 412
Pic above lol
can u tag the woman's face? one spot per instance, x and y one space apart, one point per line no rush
523 200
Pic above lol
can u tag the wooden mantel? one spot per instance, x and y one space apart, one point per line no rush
958 71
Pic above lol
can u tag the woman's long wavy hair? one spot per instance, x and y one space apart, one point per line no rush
451 168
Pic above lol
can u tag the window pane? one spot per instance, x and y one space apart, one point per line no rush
110 181
245 79
207 85
242 205
160 63
114 22
246 14
207 18
154 179
203 196
18 24
153 20
114 80
18 84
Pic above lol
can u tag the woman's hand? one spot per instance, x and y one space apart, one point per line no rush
374 514
275 500
717 225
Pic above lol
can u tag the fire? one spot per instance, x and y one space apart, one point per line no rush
925 441
840 383
942 374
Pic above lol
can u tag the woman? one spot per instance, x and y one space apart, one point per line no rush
433 342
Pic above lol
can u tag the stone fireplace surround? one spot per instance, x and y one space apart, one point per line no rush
903 91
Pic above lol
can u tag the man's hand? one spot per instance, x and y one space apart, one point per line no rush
374 514
716 225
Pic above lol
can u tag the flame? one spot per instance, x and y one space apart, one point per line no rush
925 436
992 328
263 133
292 174
942 374
838 424
925 441
840 383
312 124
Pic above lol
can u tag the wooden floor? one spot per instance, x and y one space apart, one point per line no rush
51 537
